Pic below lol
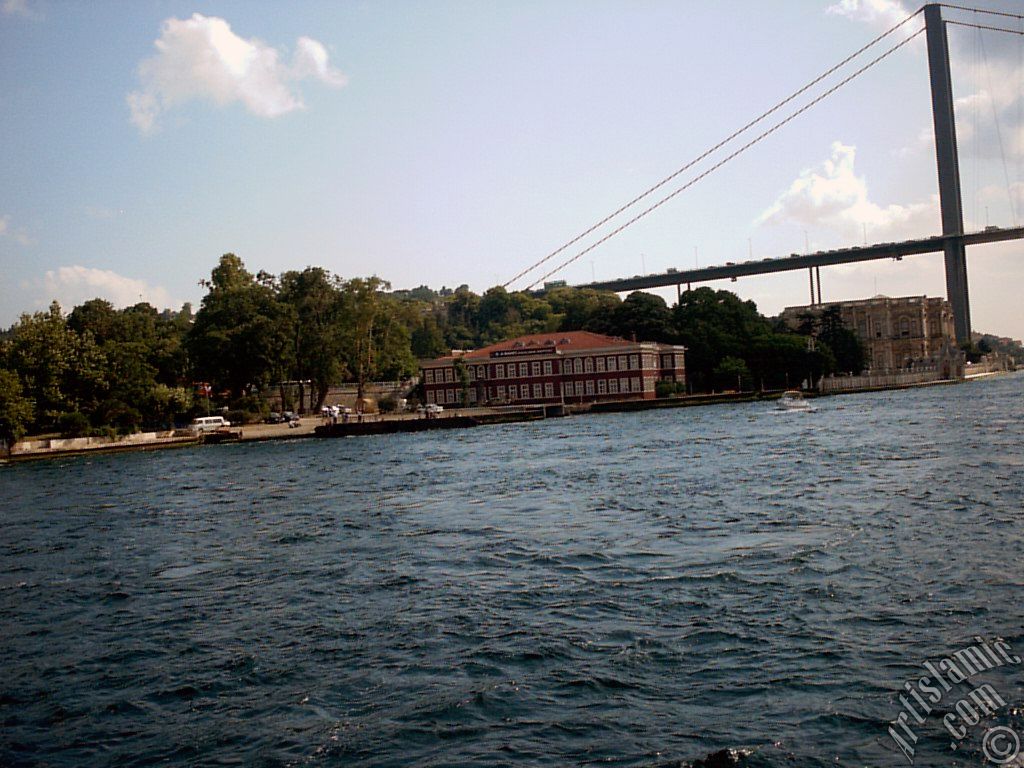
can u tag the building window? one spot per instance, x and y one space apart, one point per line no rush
579 388
611 363
637 385
499 371
602 385
523 370
577 366
549 390
481 371
449 375
600 365
430 375
590 386
430 395
471 373
613 386
634 362
501 391
535 369
622 362
472 395
536 391
588 365
547 367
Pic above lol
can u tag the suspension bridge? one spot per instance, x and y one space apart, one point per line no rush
952 241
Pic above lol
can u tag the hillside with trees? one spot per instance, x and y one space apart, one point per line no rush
101 369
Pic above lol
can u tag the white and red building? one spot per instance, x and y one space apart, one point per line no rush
560 367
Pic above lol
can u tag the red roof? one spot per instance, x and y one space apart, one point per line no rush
561 341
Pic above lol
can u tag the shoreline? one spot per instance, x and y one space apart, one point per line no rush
463 418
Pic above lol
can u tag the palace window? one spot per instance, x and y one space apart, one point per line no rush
611 364
634 361
590 386
613 386
536 391
602 386
577 366
579 388
499 371
600 365
524 370
430 375
547 367
535 368
588 365
549 389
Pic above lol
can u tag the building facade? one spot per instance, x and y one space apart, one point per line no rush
548 368
903 333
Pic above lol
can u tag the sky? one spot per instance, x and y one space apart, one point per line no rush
453 142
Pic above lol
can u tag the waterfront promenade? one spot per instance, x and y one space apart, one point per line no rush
306 427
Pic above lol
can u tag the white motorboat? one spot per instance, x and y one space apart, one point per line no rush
793 400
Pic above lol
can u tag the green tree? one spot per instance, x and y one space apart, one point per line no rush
643 316
732 373
59 370
16 411
243 336
316 300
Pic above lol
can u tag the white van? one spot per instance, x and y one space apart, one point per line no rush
209 424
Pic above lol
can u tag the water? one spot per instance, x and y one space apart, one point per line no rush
627 590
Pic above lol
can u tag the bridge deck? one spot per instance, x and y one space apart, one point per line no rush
803 261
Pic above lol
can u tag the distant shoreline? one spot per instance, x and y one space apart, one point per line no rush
460 418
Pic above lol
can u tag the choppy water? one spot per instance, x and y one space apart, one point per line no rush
626 590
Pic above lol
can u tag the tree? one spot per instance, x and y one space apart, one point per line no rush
60 371
732 372
643 316
315 298
427 340
362 301
243 336
845 345
16 411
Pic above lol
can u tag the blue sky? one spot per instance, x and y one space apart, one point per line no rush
443 143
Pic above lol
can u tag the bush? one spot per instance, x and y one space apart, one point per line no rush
668 388
237 417
73 424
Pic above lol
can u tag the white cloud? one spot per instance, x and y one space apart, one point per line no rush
835 198
201 58
17 8
888 12
18 235
74 285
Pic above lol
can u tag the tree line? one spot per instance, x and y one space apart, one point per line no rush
103 369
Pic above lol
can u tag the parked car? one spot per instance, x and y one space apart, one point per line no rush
274 418
209 424
433 409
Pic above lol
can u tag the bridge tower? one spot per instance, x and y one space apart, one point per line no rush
950 201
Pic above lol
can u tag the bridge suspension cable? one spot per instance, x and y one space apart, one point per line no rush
765 134
651 190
